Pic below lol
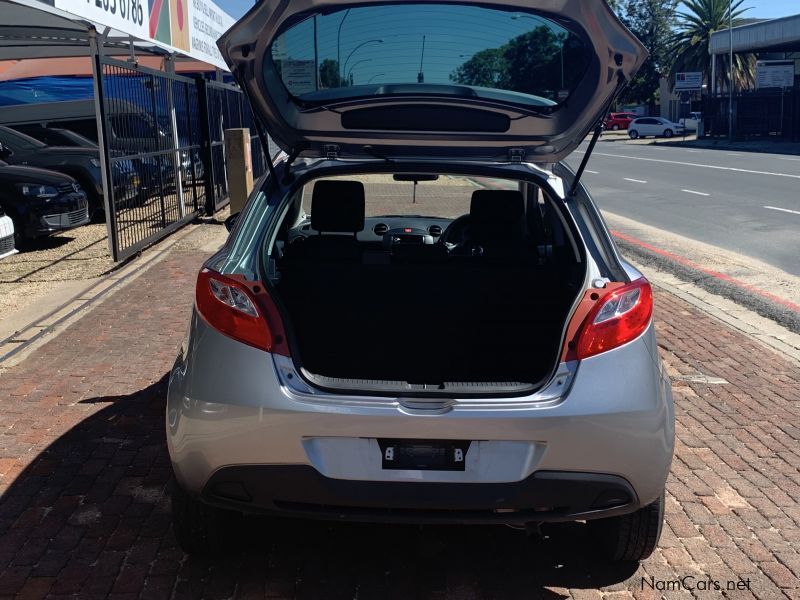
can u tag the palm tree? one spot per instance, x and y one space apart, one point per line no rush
690 42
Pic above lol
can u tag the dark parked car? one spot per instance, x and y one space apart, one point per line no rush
151 169
40 202
56 136
83 164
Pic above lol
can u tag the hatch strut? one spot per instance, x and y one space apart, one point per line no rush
262 135
621 83
597 131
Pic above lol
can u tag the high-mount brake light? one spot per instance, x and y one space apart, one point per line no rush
230 308
621 317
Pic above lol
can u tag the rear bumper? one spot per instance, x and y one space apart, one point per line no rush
230 416
301 491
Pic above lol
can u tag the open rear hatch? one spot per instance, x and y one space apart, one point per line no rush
491 80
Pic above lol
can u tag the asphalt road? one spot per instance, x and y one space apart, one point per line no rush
747 203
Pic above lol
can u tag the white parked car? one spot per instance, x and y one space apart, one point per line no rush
654 126
6 235
692 122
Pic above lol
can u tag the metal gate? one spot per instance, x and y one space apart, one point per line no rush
772 114
163 139
150 137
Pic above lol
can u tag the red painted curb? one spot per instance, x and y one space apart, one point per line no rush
716 274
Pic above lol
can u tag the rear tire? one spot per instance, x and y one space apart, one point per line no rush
668 133
201 530
634 135
615 127
632 537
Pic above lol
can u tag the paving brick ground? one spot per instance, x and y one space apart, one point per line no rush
84 474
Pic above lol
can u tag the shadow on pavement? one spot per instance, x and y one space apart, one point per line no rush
759 147
91 515
44 243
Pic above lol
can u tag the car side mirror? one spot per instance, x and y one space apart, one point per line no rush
231 221
5 151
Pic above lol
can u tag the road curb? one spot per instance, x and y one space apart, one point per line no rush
744 319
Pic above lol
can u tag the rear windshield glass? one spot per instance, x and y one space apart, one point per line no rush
439 49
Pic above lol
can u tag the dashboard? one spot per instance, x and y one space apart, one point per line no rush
391 230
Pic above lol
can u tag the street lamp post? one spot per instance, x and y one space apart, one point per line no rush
730 71
361 45
353 66
339 45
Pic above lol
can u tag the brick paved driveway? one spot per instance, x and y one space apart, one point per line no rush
84 509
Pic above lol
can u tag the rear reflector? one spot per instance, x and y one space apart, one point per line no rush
230 307
622 316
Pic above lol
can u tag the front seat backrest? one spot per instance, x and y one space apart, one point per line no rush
337 215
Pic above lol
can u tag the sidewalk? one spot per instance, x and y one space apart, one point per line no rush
764 146
84 508
768 146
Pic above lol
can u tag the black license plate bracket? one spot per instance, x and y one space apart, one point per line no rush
424 455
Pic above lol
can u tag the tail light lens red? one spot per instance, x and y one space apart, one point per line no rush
621 316
230 307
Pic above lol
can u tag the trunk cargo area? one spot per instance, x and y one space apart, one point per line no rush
454 319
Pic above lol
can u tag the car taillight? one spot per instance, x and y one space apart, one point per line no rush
622 316
231 308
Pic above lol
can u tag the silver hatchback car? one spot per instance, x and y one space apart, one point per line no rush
352 358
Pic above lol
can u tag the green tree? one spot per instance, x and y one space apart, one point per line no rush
487 68
538 62
652 22
691 39
329 74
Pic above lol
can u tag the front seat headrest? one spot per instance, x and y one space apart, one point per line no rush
338 206
496 211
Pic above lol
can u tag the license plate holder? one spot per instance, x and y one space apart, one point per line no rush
424 455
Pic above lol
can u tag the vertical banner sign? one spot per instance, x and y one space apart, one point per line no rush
191 27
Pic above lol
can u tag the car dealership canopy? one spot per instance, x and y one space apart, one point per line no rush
58 28
775 35
151 123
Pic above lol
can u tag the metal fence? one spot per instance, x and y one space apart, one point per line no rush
755 114
163 138
225 108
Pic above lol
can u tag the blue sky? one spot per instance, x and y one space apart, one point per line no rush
766 9
771 9
236 8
